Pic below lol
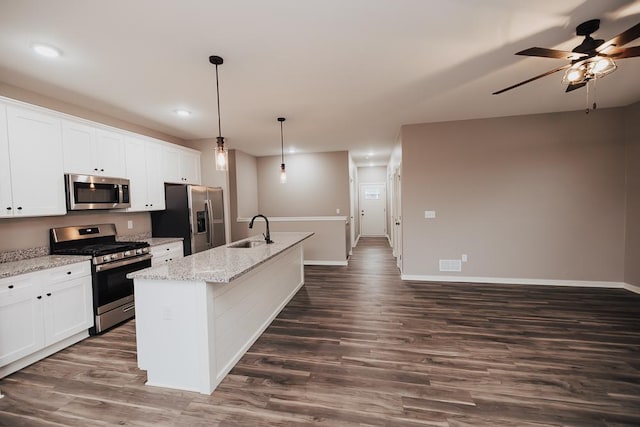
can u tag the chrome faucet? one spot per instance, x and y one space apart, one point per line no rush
267 235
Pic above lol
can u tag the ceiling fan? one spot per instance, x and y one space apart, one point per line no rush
590 60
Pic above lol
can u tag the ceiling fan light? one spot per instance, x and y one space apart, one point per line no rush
603 66
574 75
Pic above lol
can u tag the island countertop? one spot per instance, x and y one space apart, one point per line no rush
224 263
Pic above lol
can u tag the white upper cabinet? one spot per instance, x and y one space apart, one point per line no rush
35 153
90 150
144 160
6 200
181 165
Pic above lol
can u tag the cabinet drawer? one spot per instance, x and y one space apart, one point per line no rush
172 249
17 288
68 272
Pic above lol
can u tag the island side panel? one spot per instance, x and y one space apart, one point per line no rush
246 306
172 333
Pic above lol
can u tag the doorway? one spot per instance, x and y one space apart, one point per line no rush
373 210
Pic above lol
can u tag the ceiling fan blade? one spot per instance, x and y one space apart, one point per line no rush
621 39
555 70
550 53
575 86
625 52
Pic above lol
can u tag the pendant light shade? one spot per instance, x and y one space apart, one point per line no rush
283 171
221 157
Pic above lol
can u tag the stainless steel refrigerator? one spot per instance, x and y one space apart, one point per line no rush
194 213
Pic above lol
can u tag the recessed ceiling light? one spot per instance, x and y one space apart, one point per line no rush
182 113
46 50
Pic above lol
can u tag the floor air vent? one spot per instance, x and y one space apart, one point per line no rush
450 265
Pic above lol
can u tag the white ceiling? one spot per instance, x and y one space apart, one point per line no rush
345 73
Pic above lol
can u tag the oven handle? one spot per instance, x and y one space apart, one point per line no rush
112 265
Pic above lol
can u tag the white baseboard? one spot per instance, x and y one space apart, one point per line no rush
632 288
323 262
521 281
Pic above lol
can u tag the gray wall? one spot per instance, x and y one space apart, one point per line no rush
25 233
372 174
538 196
24 95
317 185
632 235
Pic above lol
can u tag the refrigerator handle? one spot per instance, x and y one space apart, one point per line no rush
210 220
207 214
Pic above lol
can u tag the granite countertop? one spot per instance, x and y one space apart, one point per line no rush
157 241
14 268
222 264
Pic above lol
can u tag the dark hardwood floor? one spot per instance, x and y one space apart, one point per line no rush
358 346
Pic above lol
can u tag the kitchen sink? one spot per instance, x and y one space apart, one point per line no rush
247 244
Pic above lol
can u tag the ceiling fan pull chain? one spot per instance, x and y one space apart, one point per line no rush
587 109
595 86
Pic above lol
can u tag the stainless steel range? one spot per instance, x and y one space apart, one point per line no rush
113 300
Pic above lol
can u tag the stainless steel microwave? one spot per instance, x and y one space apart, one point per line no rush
86 192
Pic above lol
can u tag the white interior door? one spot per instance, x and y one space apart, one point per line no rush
372 210
398 218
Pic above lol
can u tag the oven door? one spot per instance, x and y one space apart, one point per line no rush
113 292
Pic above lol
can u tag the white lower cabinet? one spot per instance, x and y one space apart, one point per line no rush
43 312
165 253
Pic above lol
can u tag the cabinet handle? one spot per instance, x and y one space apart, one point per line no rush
39 297
9 208
95 169
10 286
48 294
68 272
101 170
19 208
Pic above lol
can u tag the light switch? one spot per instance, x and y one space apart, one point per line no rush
338 211
129 224
465 258
429 214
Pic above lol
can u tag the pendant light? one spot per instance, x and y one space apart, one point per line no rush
221 157
283 171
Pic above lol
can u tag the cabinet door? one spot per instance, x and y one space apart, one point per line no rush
67 308
171 165
35 150
6 202
109 154
190 167
21 331
155 183
137 173
77 143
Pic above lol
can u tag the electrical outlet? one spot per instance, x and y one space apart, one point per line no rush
338 211
465 258
129 224
429 214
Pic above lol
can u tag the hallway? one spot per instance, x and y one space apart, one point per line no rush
357 345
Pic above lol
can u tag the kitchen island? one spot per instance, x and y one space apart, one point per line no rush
197 316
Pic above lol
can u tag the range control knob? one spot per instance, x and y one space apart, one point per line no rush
127 253
106 258
138 251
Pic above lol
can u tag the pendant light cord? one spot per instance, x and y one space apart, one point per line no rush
218 98
281 142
